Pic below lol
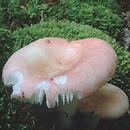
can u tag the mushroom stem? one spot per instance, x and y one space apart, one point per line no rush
108 102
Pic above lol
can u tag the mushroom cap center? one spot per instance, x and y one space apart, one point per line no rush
51 59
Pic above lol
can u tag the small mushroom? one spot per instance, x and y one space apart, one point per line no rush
107 102
54 67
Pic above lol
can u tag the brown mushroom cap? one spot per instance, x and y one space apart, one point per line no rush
56 66
107 102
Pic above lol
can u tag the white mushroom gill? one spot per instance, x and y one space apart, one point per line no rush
56 100
60 80
41 88
16 90
66 97
15 81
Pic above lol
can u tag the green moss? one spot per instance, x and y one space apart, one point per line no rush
22 13
5 45
97 16
112 4
71 30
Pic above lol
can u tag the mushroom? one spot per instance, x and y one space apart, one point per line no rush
107 102
54 67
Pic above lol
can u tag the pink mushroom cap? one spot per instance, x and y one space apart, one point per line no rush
56 66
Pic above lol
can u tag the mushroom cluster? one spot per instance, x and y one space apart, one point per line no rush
53 67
